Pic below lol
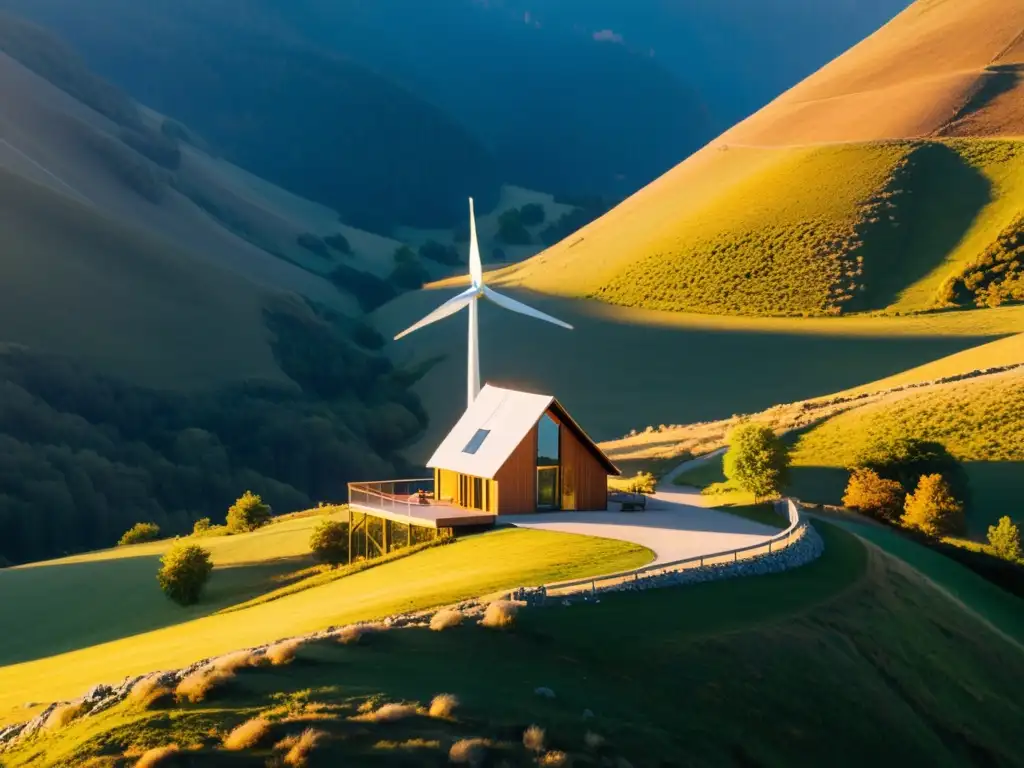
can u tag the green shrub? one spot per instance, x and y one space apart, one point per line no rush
339 243
184 571
409 275
757 460
643 482
201 526
1004 539
404 255
370 291
907 459
442 254
139 533
532 215
367 337
875 496
511 229
313 244
248 513
329 542
996 276
932 508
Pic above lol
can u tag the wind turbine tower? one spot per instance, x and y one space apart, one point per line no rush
469 298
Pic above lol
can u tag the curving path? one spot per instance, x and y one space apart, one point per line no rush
677 523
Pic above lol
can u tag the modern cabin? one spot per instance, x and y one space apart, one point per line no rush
511 453
516 453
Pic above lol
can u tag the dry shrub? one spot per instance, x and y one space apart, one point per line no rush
300 747
533 738
593 740
63 715
445 619
501 614
471 752
200 684
159 756
284 652
388 713
443 705
357 633
233 662
148 693
248 734
555 759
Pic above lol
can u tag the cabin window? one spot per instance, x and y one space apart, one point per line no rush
476 441
548 464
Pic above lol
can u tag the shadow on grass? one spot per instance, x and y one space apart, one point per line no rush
62 607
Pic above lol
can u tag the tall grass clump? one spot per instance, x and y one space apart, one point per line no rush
247 735
63 715
150 693
471 752
533 738
200 684
446 618
443 705
283 653
159 756
501 614
388 713
298 749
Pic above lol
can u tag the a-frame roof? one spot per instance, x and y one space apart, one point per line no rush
494 426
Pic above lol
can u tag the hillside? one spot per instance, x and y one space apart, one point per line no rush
833 631
888 180
980 422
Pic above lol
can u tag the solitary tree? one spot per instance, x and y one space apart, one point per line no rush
875 496
329 542
757 460
184 571
248 513
1004 539
932 508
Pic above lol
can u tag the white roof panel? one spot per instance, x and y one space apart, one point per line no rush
489 431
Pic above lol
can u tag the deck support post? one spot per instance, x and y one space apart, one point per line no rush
350 535
387 535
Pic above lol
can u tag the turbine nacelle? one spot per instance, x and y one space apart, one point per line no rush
468 298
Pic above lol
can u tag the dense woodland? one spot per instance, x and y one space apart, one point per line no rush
83 457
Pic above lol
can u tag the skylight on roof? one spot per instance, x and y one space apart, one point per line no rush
476 441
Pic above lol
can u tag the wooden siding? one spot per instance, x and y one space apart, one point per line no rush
584 478
517 479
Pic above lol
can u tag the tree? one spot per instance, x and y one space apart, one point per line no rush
313 244
184 571
329 542
532 214
139 533
511 229
907 459
248 513
1004 539
757 461
201 526
932 508
873 495
409 275
339 243
404 254
442 254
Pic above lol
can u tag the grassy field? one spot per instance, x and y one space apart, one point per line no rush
799 668
675 368
981 422
827 199
122 625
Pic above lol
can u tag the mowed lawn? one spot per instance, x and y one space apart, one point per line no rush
139 631
851 660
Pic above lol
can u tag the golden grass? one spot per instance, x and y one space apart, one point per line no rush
63 715
533 738
230 663
555 758
446 619
408 744
354 634
500 614
388 713
150 693
443 705
247 735
159 756
299 748
284 652
471 752
200 684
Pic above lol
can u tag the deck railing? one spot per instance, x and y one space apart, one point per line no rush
400 497
780 541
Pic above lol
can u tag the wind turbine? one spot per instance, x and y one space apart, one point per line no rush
469 298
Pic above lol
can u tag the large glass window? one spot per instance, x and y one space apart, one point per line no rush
548 464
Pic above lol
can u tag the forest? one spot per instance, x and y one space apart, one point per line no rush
83 457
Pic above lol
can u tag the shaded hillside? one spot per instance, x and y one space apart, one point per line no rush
766 221
311 121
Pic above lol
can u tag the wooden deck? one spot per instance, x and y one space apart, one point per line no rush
400 502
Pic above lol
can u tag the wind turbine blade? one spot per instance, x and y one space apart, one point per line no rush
450 307
476 269
518 306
